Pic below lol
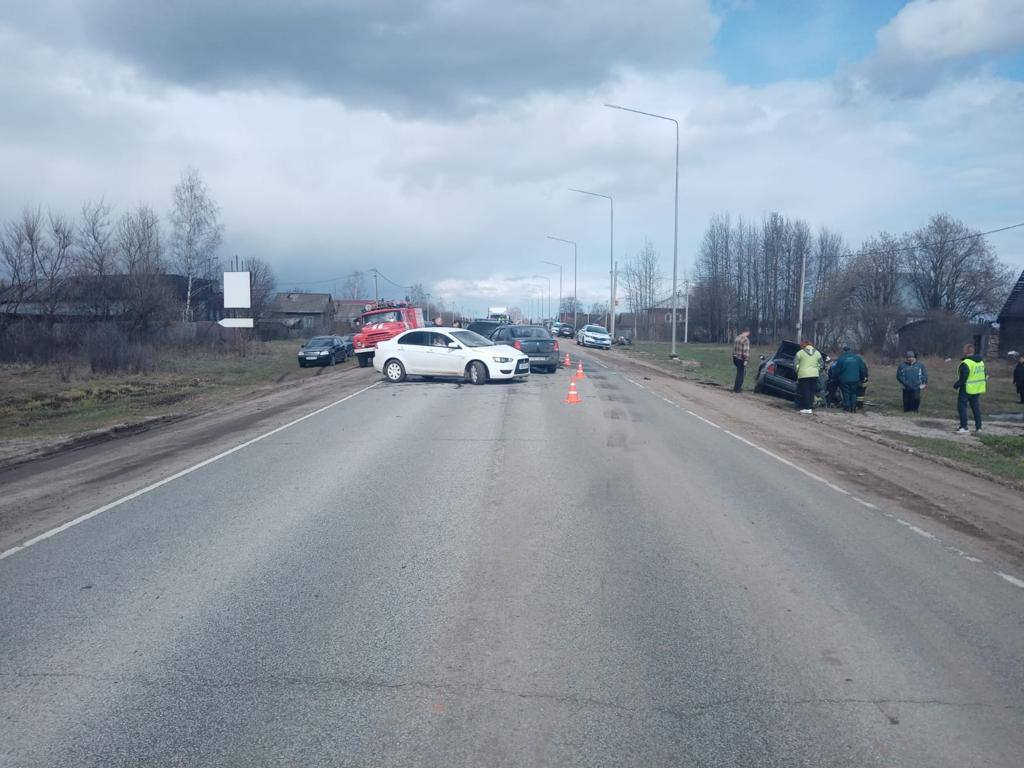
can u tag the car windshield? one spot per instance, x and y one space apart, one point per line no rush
595 329
471 339
319 342
393 316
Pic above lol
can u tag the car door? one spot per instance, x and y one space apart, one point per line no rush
447 361
414 352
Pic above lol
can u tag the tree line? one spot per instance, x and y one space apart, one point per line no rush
113 266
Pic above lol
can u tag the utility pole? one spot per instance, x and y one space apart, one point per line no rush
800 311
575 300
559 308
376 291
611 256
686 325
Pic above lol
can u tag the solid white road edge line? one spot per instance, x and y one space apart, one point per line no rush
1012 579
175 476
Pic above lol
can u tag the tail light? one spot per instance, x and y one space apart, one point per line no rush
518 345
556 345
771 368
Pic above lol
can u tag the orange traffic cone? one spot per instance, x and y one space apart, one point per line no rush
573 396
579 371
568 362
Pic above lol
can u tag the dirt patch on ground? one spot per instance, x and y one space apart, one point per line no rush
51 482
858 457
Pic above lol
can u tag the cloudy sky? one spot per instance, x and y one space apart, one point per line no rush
435 139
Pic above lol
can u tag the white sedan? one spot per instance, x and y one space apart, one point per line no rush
457 352
594 336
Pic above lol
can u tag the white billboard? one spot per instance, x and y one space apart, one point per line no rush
236 290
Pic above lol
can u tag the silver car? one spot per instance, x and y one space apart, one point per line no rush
594 336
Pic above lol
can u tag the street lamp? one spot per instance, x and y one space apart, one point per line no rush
611 257
575 301
542 277
551 263
675 212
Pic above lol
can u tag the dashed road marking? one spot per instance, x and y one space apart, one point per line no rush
915 529
175 476
1012 579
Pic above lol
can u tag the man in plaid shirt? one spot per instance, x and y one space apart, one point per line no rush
740 357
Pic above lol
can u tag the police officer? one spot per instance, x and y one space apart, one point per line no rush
971 385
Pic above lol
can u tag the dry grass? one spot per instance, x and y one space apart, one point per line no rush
37 401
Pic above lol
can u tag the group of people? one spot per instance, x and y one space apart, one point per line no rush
848 374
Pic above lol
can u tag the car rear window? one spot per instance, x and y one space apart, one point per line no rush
527 332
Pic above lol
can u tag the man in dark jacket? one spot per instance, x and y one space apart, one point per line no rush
851 371
914 378
971 383
1018 377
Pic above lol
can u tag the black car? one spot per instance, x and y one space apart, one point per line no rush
349 341
566 331
534 340
485 327
776 375
323 350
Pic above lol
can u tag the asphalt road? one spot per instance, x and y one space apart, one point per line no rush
433 574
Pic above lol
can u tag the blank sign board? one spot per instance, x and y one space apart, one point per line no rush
236 290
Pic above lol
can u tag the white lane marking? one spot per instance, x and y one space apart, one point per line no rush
706 421
1012 579
867 504
634 383
175 476
599 363
670 402
915 529
963 554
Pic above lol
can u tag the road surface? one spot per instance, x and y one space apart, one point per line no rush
435 574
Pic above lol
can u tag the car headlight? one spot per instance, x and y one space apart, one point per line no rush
322 352
502 359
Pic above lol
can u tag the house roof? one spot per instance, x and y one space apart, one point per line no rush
1014 307
302 303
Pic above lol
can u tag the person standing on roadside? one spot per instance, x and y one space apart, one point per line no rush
1018 377
851 371
970 382
914 378
808 375
740 357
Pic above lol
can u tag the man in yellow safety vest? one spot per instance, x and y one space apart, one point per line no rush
971 385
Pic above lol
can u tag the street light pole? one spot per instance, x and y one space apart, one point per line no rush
543 277
675 212
551 263
575 299
611 257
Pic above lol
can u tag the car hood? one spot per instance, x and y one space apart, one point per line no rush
504 350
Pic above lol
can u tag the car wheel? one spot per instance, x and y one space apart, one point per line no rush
394 371
331 360
476 373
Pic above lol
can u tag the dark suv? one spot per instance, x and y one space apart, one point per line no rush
534 340
484 327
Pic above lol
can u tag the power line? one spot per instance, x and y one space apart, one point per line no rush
915 247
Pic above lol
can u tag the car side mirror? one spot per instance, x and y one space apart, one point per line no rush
453 345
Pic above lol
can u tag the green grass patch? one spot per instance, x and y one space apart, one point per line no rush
35 402
1001 456
707 363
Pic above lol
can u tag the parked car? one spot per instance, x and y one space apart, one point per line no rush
322 350
594 336
448 352
565 330
484 327
349 341
534 340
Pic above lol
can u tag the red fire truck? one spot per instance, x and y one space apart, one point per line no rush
379 322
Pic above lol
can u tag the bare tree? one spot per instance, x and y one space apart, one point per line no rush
195 232
263 285
952 268
642 278
55 265
96 265
138 248
877 272
354 286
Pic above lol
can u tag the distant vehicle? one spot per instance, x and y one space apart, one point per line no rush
380 322
448 352
594 336
534 340
565 330
498 313
485 327
348 341
322 350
